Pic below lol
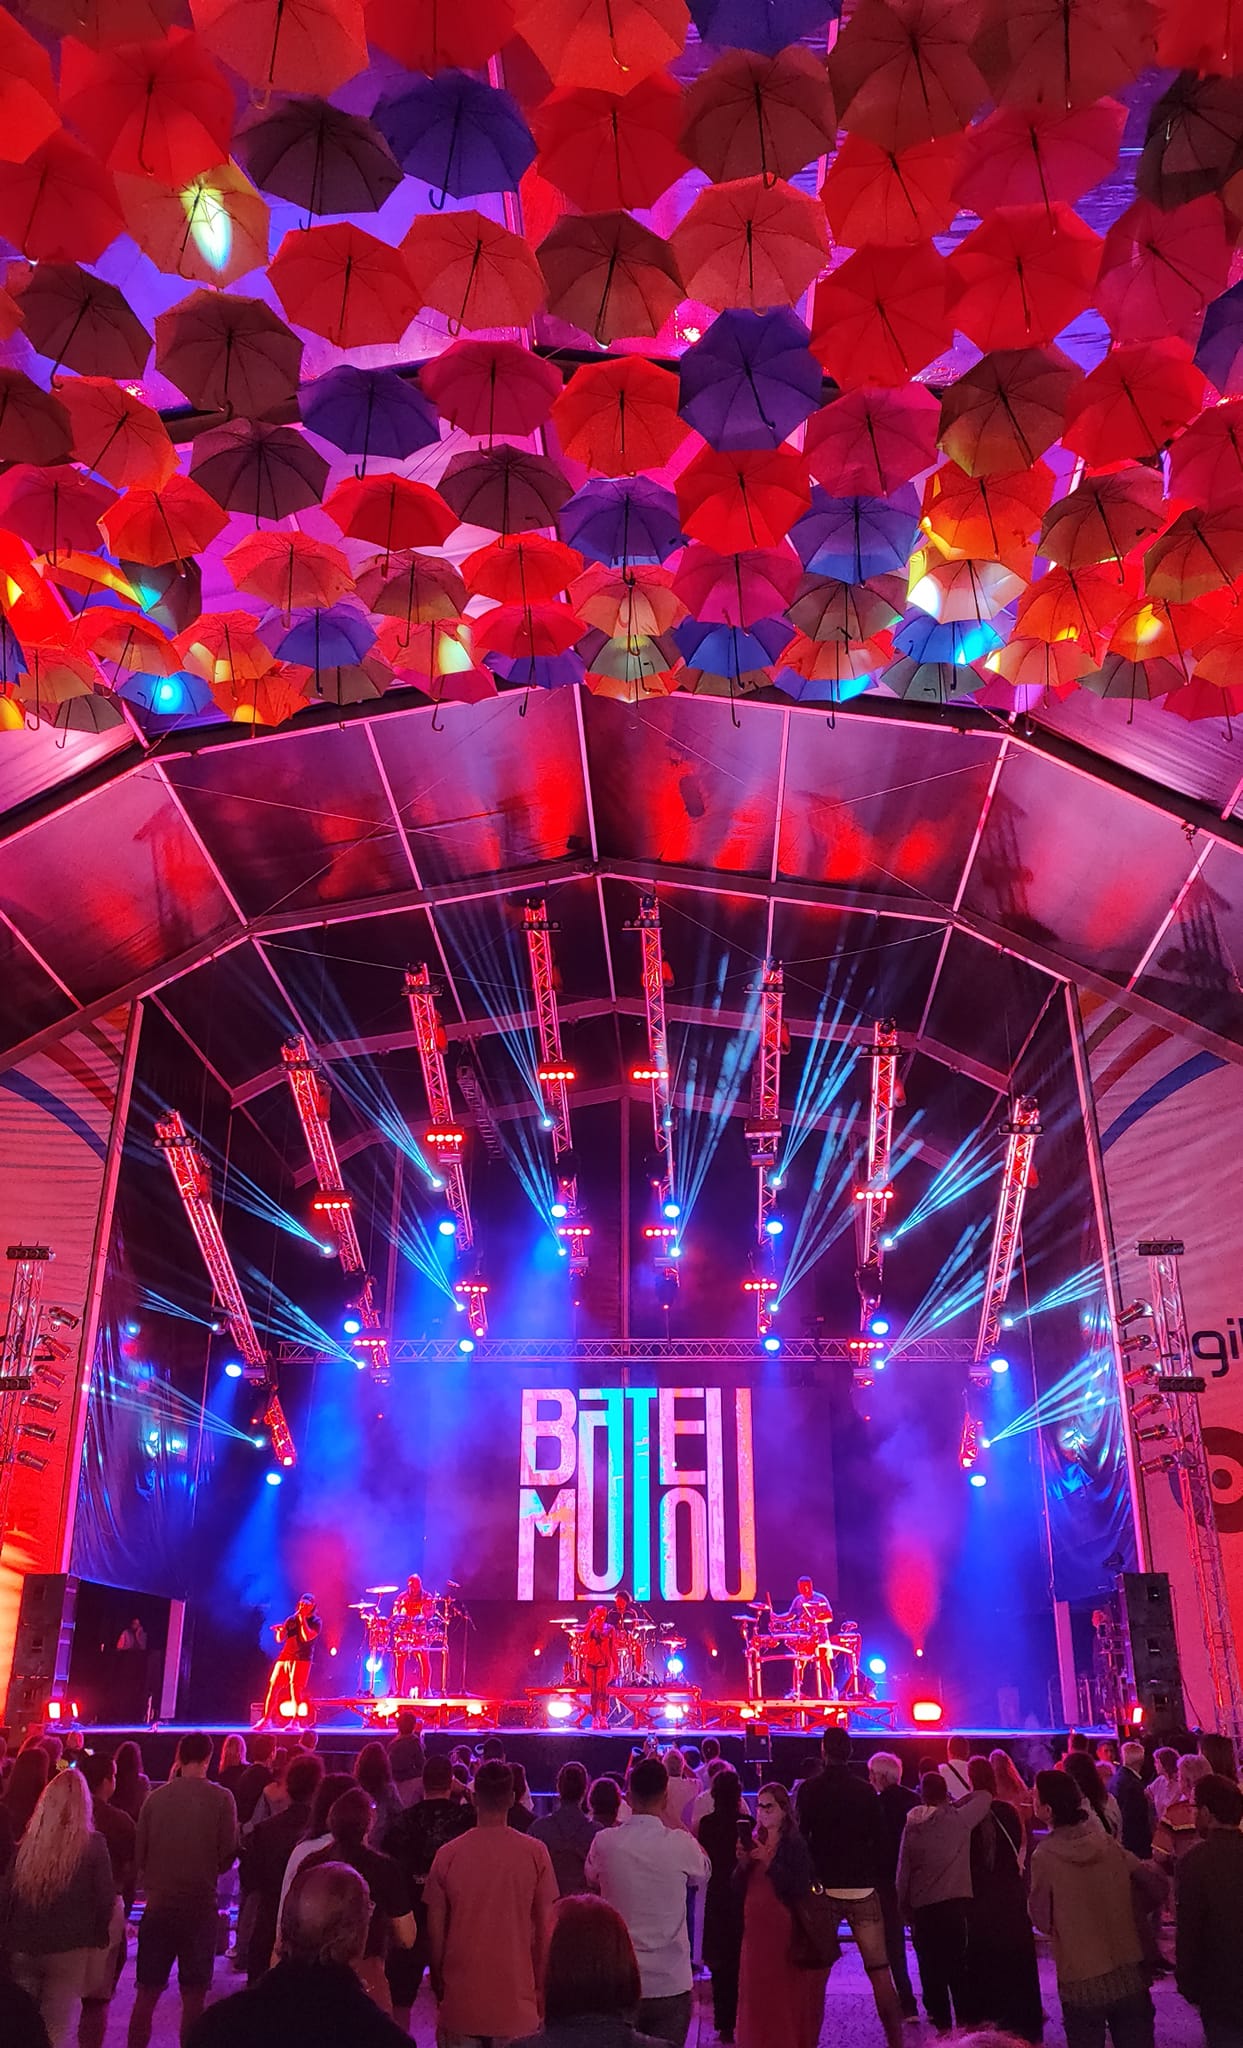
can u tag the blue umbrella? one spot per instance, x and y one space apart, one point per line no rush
537 671
751 380
1219 351
369 412
823 690
331 637
178 696
954 640
13 662
765 25
854 538
732 650
622 519
460 135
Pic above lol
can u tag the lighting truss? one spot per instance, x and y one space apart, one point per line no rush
1020 1130
565 1351
445 1136
192 1178
763 1132
20 1351
278 1430
554 1077
872 1199
371 1340
331 1203
657 1072
1178 1382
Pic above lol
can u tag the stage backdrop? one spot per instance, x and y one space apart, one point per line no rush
1169 1118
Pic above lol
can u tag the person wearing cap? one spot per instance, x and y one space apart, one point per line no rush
291 1673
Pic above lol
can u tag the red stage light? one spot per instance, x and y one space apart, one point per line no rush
646 1074
926 1710
445 1141
760 1286
551 1074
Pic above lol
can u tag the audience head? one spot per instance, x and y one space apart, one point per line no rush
884 1769
835 1744
726 1791
571 1784
522 1791
260 1748
980 1775
55 1840
1166 1760
1078 1745
493 1750
232 1753
30 1773
302 1779
1219 1803
774 1809
674 1763
1133 1756
128 1761
591 1967
1059 1798
1010 1781
308 1740
74 1744
494 1787
350 1818
194 1753
327 1793
1191 1769
1218 1753
326 1916
649 1785
604 1801
933 1789
1080 1768
372 1769
957 1749
54 1747
100 1774
407 1723
437 1777
710 1748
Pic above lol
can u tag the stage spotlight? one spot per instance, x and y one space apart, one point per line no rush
887 1243
546 1123
447 1227
977 1479
272 1478
672 1210
879 1364
1007 1322
560 1709
465 1345
233 1371
774 1226
929 1711
674 1667
351 1326
877 1666
772 1342
673 1710
999 1365
132 1329
258 1442
216 1327
559 1211
327 1250
879 1326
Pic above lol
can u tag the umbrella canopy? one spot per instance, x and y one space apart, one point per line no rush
341 282
1032 154
1133 403
1065 52
611 149
118 436
431 35
620 416
903 71
286 45
737 589
213 231
743 499
224 648
319 158
965 591
332 636
731 651
170 524
414 588
475 272
267 472
531 570
456 133
82 321
1023 275
871 440
1134 680
34 425
127 640
289 569
891 197
857 538
1159 270
1078 604
491 387
609 276
391 512
750 380
1194 143
159 109
1219 351
54 510
524 632
228 354
504 489
602 42
764 25
994 516
882 315
631 602
60 205
1202 551
1206 459
28 109
1036 668
752 242
369 412
1104 519
751 115
1004 412
852 615
631 520
264 700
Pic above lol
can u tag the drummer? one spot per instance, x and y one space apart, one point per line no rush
623 1615
411 1610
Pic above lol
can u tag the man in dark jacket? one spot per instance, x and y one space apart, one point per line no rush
885 1778
265 1852
412 1841
840 1815
1134 1804
1209 1926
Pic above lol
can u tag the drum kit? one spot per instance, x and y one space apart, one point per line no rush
638 1647
404 1638
770 1639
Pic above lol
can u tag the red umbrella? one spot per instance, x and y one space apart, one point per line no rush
28 110
228 354
1104 519
168 525
266 700
530 570
1003 412
748 498
525 632
504 489
869 441
903 71
620 416
160 109
1023 275
988 515
606 149
343 283
225 650
834 661
882 315
391 512
53 509
115 434
1063 52
602 42
1030 155
1201 552
1206 460
737 589
289 569
1079 603
127 640
892 197
61 205
1208 37
750 115
104 22
435 35
1202 699
609 276
34 425
491 387
286 45
1159 269
753 242
1133 402
475 272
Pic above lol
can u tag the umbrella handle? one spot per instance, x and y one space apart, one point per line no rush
436 725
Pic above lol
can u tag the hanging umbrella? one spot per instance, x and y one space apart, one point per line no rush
752 242
391 512
882 315
319 157
228 354
828 673
1147 627
871 440
893 198
504 489
353 682
1206 459
1003 412
34 425
1035 669
56 676
763 25
848 614
1032 154
82 321
413 588
171 594
53 509
266 700
750 115
988 515
1104 519
158 109
369 412
61 205
751 379
28 109
631 658
127 640
602 42
333 636
967 591
1133 403
1194 144
1079 604
475 272
1160 270
436 35
1063 52
856 538
532 570
213 231
341 282
286 45
748 498
457 134
13 662
925 639
491 387
1199 699
289 569
620 416
538 671
178 696
96 713
115 434
1134 681
630 603
604 150
737 589
224 648
1219 351
1207 38
623 522
166 525
634 689
101 23
265 472
932 682
903 71
1202 551
609 276
731 650
527 632
1023 275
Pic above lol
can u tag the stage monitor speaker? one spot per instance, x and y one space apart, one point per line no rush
1148 1613
42 1647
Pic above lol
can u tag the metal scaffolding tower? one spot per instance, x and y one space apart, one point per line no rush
763 1134
1020 1130
876 1192
312 1098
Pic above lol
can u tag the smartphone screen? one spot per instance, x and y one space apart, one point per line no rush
746 1832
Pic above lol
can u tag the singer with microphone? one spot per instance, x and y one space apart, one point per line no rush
291 1673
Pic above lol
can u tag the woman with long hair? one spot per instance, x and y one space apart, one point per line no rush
1082 1771
720 1831
780 2005
1013 1787
29 1775
1003 1985
591 1981
232 1762
59 1905
133 1784
374 1773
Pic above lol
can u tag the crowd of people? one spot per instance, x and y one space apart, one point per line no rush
581 1926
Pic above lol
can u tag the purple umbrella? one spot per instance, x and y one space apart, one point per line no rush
619 520
732 650
765 25
956 640
821 690
537 671
334 637
459 135
1219 351
854 538
269 472
751 380
369 412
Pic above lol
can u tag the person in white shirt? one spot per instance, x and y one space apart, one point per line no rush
954 1769
703 1804
643 1869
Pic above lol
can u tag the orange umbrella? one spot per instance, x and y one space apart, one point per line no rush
637 688
891 197
602 42
523 571
115 434
747 498
993 516
620 416
166 525
610 149
903 71
159 109
28 110
127 640
1023 275
1133 402
836 661
1079 604
1104 519
965 590
415 589
1065 53
1003 412
341 282
57 675
751 115
288 569
638 603
1044 665
286 45
609 276
491 387
1201 552
1149 627
881 315
391 512
475 272
214 230
1033 154
435 35
61 205
224 648
268 699
753 242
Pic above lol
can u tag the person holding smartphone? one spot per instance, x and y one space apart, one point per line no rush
780 2003
721 1832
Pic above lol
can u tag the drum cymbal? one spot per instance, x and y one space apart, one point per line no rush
361 1606
380 1589
642 1628
748 1619
564 1621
